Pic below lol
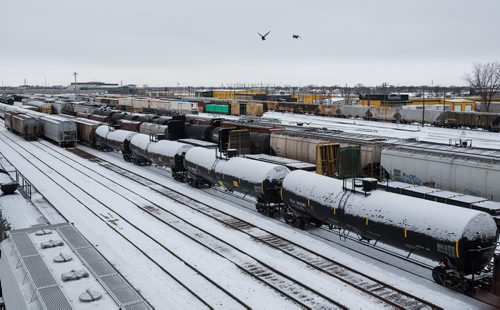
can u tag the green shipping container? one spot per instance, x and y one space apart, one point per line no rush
217 108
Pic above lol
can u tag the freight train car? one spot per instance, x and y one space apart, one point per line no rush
468 171
85 129
60 130
134 126
218 108
387 114
409 116
163 153
260 179
153 129
24 125
301 145
299 108
354 111
330 110
464 243
473 120
110 139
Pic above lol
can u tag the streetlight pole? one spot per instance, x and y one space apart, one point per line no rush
423 107
75 75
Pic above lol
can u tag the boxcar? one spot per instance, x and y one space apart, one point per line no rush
100 118
129 125
85 129
24 125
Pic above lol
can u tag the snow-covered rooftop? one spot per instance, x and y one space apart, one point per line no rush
39 277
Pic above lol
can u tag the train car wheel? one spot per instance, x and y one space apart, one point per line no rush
289 218
439 275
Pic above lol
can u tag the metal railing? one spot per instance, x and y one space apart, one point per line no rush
24 185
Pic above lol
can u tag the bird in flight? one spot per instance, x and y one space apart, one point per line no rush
296 36
263 37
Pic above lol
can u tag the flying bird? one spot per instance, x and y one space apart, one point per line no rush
296 36
263 37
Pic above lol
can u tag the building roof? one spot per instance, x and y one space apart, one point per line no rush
39 277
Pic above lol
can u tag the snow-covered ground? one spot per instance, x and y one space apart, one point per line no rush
110 209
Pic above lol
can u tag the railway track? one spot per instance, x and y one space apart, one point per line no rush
382 292
298 293
129 237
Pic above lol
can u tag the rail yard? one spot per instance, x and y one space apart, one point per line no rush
301 208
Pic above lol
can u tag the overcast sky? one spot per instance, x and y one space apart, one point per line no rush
214 42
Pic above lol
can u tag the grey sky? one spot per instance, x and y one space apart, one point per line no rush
214 42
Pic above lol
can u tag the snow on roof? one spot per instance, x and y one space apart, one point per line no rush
251 170
168 148
202 157
120 135
113 135
243 168
140 141
87 121
102 131
45 287
414 214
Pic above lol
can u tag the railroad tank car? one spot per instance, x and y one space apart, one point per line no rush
117 116
58 129
199 132
43 107
24 125
464 242
153 129
166 153
138 146
162 120
260 179
108 138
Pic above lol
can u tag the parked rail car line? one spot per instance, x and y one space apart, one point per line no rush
24 125
383 293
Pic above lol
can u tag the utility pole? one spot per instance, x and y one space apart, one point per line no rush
75 74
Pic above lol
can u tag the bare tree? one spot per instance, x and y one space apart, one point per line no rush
485 80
